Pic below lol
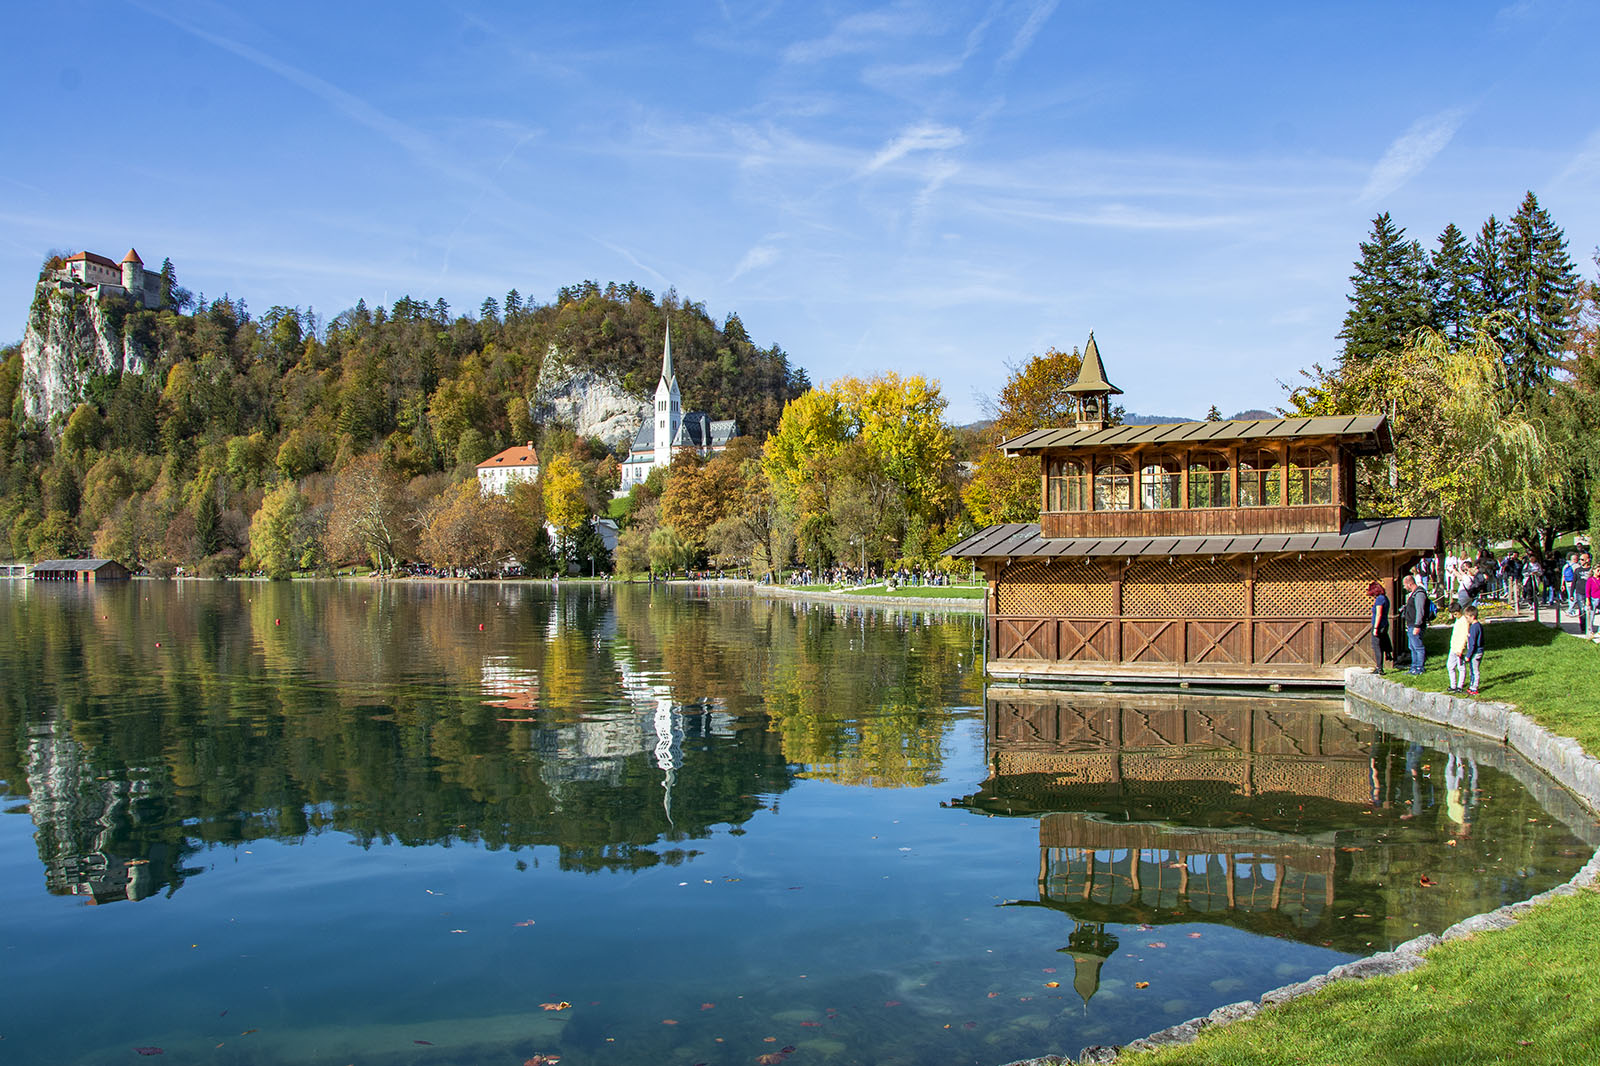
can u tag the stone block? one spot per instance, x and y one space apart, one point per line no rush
1294 991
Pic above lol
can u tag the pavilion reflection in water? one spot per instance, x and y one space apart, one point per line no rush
1157 809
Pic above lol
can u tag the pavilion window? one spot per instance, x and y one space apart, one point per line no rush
1068 485
1310 476
1210 480
1161 483
1260 479
1113 485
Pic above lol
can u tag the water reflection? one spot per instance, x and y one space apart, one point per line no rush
1279 816
617 726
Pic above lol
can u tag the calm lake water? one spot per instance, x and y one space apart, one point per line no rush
352 823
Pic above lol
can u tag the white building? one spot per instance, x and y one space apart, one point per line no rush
667 428
115 279
504 469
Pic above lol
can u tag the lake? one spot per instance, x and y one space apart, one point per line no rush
357 822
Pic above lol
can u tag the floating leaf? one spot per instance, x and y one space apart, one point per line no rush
891 1003
772 1058
149 1051
1052 984
812 1025
563 1005
1143 928
707 1006
1426 882
138 862
669 1021
788 1049
1156 944
769 1040
993 995
247 1032
424 1043
1141 984
1195 936
523 924
542 1060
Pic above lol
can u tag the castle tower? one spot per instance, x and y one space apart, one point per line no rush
133 274
669 407
1092 391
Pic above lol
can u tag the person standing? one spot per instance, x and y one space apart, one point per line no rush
1456 664
1473 653
1381 648
1415 617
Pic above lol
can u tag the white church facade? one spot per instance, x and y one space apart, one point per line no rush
667 429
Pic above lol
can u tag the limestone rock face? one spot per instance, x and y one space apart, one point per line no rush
68 340
594 405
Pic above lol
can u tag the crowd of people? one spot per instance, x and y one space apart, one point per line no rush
1460 583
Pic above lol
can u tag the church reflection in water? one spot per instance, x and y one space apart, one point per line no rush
1156 809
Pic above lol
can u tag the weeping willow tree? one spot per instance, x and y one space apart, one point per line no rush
1493 463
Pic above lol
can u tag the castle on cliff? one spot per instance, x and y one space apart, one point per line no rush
86 270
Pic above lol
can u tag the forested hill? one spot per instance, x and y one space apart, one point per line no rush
227 404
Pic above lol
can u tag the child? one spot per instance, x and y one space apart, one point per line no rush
1456 665
1473 653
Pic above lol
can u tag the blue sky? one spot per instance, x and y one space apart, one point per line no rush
942 188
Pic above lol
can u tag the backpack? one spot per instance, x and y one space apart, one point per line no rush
1566 572
1430 610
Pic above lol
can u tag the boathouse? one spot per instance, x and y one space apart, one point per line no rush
1219 552
80 570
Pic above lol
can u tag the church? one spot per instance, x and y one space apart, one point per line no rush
666 429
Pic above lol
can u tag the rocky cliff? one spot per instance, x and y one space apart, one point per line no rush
71 338
593 404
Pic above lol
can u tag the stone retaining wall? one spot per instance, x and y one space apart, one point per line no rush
1371 698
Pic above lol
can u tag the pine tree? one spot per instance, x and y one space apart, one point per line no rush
1541 296
1487 267
1389 302
513 304
1450 285
1213 415
490 311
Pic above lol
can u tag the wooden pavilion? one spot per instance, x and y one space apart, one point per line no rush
1221 552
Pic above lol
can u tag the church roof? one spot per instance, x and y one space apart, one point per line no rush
1092 372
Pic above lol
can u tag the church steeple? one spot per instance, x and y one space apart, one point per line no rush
1092 390
668 414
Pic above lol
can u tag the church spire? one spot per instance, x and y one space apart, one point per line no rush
667 376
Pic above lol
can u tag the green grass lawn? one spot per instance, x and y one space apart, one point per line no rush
1551 676
1520 995
923 592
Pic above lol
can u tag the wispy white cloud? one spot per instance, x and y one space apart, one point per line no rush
1027 32
923 137
858 33
1585 164
417 144
1411 152
760 255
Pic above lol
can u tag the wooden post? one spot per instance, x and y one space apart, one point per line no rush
1116 612
1250 610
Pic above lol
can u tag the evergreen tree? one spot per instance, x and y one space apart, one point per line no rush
1541 296
1389 302
1487 267
513 304
1213 415
1450 285
490 311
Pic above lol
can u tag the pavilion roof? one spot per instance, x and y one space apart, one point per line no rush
1022 540
1369 434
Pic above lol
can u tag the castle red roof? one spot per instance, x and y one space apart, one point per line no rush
132 257
90 257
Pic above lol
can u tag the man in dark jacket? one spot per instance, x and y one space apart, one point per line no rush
1415 617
